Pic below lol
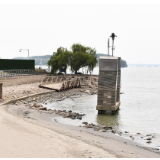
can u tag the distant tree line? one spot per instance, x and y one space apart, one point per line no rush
39 60
43 60
123 62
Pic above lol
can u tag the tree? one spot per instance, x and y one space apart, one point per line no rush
53 63
79 57
59 61
82 56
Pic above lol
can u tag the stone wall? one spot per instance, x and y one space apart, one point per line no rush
7 81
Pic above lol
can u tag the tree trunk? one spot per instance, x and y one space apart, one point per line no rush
75 71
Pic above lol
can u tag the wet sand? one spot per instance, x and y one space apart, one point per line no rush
26 132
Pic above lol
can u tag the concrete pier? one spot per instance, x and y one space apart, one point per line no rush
109 84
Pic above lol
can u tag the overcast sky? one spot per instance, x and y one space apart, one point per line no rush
42 28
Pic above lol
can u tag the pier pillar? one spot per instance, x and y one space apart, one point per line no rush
108 84
119 80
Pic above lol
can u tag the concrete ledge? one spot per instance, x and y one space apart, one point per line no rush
107 107
31 95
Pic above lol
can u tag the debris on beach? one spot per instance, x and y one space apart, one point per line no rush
63 113
126 132
96 127
149 139
132 137
149 142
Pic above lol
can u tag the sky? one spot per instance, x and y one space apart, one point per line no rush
43 26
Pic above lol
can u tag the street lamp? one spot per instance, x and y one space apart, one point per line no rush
108 46
113 37
24 50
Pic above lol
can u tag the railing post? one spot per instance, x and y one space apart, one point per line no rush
1 90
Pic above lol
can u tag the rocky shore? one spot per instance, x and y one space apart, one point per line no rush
31 117
37 103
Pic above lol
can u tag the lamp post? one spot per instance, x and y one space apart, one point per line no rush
113 37
24 50
108 46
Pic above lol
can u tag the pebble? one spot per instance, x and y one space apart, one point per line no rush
85 123
113 131
102 130
149 142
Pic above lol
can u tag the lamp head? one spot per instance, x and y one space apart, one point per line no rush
113 36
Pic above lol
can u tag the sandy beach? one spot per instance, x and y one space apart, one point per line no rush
27 132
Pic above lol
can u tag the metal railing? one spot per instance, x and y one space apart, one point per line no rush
19 72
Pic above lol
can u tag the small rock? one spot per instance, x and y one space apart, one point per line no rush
73 117
102 130
120 133
155 148
42 108
87 126
113 131
67 115
96 129
149 142
132 137
138 133
33 107
126 132
79 117
107 128
149 139
85 123
87 91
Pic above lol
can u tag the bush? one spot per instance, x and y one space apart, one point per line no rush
40 70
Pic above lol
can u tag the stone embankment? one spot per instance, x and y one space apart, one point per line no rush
15 91
89 86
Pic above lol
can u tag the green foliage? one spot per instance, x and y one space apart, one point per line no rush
82 56
79 57
59 61
40 70
123 63
53 62
44 59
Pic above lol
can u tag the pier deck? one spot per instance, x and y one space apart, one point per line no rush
59 83
54 86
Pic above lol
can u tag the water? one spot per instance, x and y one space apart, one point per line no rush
139 109
82 70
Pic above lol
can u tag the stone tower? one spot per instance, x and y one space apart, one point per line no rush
109 84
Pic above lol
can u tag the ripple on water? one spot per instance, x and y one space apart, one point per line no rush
139 110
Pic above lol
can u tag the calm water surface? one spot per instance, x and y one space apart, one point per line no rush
140 105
